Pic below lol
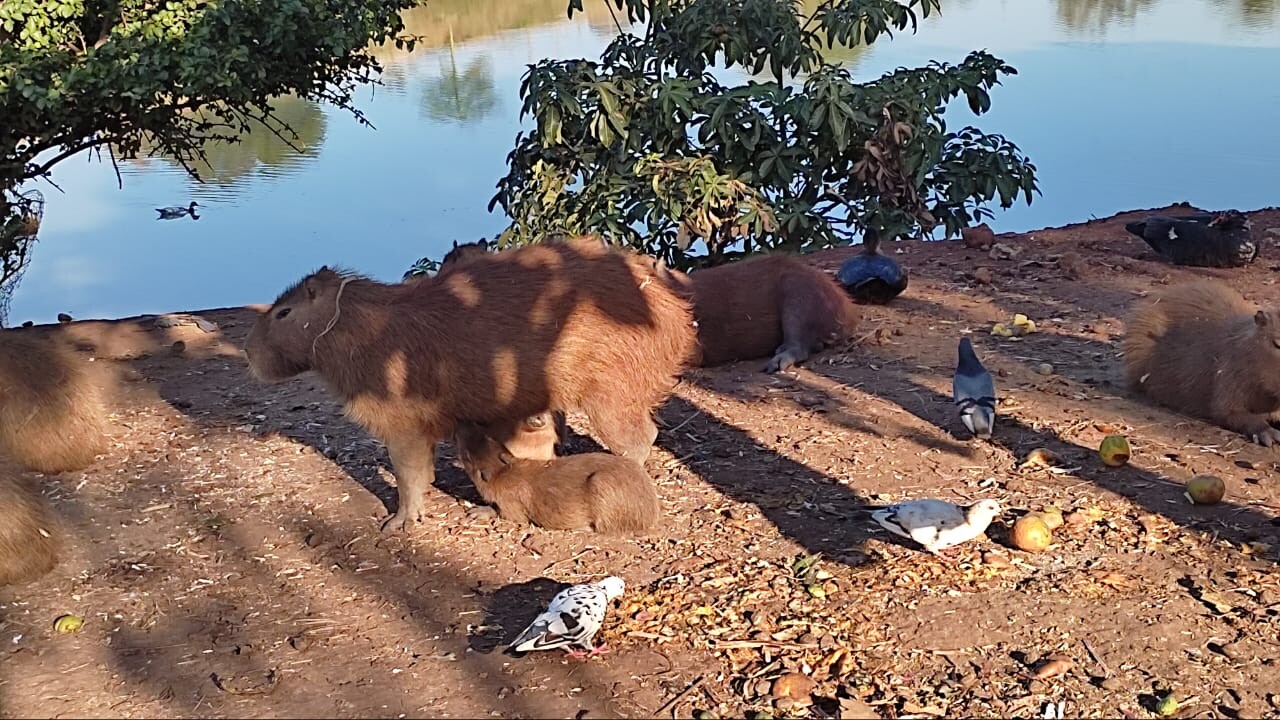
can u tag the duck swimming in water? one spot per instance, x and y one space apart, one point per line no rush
169 213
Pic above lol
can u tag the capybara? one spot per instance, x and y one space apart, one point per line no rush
560 326
773 305
464 252
537 437
29 535
52 416
1202 349
596 491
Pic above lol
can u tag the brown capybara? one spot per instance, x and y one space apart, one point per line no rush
773 305
1202 349
505 336
537 437
29 535
52 418
597 491
464 252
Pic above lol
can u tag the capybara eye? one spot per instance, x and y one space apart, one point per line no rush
1276 343
282 313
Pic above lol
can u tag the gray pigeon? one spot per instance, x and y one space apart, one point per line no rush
974 392
573 618
937 524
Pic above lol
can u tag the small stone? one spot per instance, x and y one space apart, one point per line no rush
28 324
764 688
64 318
784 704
178 347
1044 369
995 560
1071 266
300 643
482 512
983 275
1001 251
1111 684
978 237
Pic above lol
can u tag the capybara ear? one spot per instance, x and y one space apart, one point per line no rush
504 455
455 244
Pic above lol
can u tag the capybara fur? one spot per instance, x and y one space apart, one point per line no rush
52 418
774 306
464 252
505 336
29 534
1203 350
537 437
597 491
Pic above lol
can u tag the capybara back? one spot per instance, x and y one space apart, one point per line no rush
52 416
29 535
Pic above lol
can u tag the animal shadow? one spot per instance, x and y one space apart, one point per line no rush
510 610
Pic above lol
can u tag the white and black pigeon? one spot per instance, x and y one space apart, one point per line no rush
573 618
936 524
975 392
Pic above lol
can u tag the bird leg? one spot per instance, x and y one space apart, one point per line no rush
576 654
583 655
600 649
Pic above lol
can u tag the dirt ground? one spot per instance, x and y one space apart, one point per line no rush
226 558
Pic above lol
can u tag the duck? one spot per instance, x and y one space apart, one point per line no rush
169 213
869 277
1223 239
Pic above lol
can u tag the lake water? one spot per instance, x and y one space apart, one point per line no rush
1120 103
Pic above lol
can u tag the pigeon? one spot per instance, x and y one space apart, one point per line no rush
573 618
975 392
1201 240
936 524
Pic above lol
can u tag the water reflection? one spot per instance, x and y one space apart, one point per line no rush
378 199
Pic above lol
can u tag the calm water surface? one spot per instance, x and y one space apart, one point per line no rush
1120 103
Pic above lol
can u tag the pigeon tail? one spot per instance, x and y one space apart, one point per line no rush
969 363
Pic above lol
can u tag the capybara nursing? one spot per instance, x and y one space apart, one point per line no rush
537 437
596 491
774 305
29 536
1202 349
51 413
503 337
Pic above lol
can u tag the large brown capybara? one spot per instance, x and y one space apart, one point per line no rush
29 534
775 306
597 491
562 326
52 416
1202 349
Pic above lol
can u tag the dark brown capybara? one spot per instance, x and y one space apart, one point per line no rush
52 417
775 306
597 491
561 326
1202 349
29 534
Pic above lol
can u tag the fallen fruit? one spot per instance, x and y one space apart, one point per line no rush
1114 450
1167 706
1052 518
1205 489
67 624
794 686
1040 457
1057 665
1030 534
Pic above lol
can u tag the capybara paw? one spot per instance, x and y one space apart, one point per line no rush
402 521
1266 437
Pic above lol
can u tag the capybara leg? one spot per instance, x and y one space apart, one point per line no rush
414 462
788 355
626 432
1254 426
798 335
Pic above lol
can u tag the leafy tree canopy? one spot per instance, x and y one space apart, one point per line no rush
646 145
169 75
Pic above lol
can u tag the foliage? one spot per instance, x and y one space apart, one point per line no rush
169 76
646 145
20 217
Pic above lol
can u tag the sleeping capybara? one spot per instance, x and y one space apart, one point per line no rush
503 337
1202 349
597 491
773 305
52 416
29 535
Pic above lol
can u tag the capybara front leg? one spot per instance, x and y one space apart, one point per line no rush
798 335
788 355
628 432
1255 426
414 462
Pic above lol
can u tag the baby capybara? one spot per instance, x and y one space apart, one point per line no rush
502 337
597 491
775 306
51 413
29 537
1202 349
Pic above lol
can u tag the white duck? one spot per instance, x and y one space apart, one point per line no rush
936 524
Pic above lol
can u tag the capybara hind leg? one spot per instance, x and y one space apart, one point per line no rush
788 355
799 338
414 462
629 433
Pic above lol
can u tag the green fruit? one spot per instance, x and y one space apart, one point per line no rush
1114 450
1205 489
1168 706
67 624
